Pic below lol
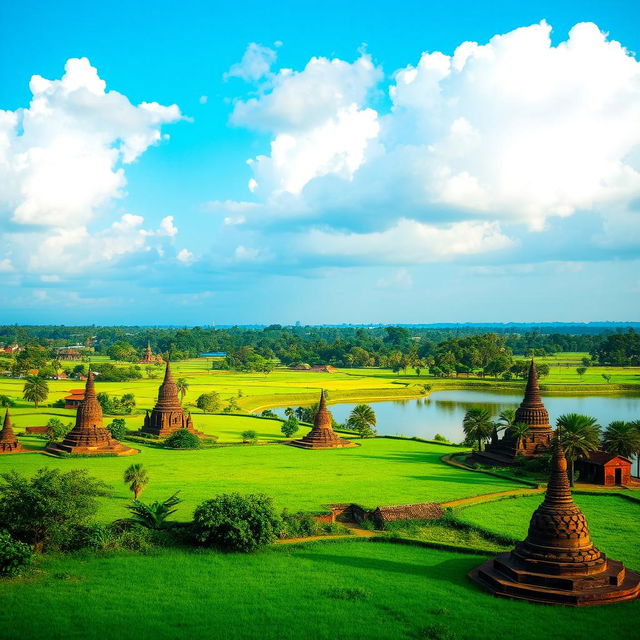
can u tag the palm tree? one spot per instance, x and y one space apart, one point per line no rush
289 412
35 389
362 420
477 425
506 419
621 439
137 478
579 436
154 515
519 431
183 386
636 425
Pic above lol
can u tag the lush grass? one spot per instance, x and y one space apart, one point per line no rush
613 521
380 472
321 590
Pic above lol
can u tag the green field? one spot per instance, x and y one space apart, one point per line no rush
329 590
381 471
613 521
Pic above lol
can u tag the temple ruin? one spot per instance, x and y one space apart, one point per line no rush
8 441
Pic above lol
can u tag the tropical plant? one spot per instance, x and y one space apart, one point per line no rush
579 436
208 402
581 371
56 429
621 439
43 510
268 413
182 439
636 425
6 401
289 412
236 522
35 390
607 377
362 420
117 428
477 425
506 418
290 426
136 476
518 431
249 436
183 386
155 514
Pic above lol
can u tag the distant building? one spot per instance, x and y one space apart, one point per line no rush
149 358
421 511
69 353
316 368
604 468
73 400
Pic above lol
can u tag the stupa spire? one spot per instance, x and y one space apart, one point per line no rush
8 441
531 411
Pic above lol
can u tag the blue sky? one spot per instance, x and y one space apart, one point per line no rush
197 163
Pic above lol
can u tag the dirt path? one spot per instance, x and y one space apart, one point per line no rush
487 497
357 532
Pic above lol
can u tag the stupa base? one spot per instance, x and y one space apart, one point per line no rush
12 449
506 579
117 450
340 443
162 434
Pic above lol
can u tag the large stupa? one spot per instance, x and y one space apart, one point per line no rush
168 415
8 441
89 435
558 563
322 436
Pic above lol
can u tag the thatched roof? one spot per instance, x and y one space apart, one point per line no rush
420 511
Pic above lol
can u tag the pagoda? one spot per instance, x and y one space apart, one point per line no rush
533 413
558 563
89 435
168 415
322 436
149 358
8 441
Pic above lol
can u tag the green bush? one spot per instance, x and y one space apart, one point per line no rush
15 556
117 535
182 439
236 522
117 428
57 430
249 436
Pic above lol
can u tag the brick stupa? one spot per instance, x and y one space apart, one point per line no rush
89 435
168 415
534 414
558 563
322 436
8 441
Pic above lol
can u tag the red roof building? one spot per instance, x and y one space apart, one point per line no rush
604 468
73 400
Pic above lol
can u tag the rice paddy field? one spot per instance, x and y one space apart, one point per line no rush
339 589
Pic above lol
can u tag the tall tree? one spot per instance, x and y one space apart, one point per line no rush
621 439
362 420
519 431
182 386
579 435
477 425
35 390
636 425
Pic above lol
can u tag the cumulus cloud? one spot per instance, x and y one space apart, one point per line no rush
185 256
63 159
255 64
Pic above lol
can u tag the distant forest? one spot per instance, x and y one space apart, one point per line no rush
441 350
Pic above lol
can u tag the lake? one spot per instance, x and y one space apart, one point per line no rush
442 411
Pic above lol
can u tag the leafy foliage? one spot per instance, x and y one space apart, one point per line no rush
477 425
249 436
43 509
117 428
209 402
290 426
57 430
35 390
15 556
155 514
236 522
579 435
136 476
182 439
363 420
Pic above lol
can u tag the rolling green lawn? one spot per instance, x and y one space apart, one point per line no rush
354 589
613 522
380 472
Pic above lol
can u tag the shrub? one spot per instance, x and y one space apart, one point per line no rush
249 436
129 536
182 439
236 522
208 402
43 509
267 413
6 401
15 556
117 428
440 438
154 515
290 426
57 430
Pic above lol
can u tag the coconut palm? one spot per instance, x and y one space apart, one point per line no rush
477 425
137 478
183 386
518 431
289 412
636 425
506 419
579 436
362 420
35 390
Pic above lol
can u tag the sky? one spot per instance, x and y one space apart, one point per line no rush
199 163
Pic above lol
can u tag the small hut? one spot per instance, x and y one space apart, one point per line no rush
382 516
604 468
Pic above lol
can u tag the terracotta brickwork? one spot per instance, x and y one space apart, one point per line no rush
322 436
558 563
8 441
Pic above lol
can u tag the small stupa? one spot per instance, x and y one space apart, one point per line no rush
558 563
322 436
534 414
149 358
8 441
168 415
89 435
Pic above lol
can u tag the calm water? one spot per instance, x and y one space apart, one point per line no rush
442 411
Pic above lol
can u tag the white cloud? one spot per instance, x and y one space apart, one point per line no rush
167 228
255 64
185 256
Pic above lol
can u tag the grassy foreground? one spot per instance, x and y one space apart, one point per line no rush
380 472
327 590
613 521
